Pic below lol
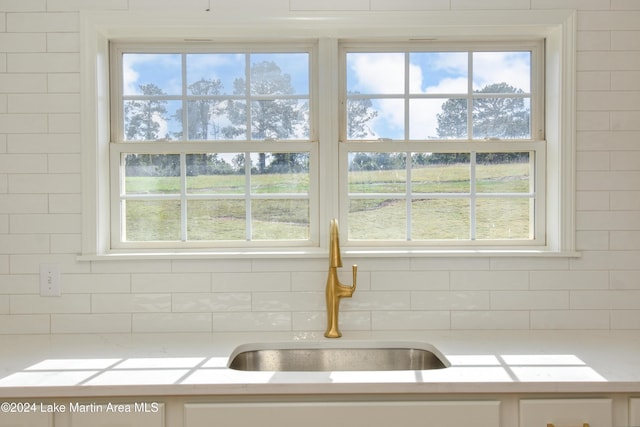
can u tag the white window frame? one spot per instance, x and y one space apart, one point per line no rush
535 144
118 146
556 27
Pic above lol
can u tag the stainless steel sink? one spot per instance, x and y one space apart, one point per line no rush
346 356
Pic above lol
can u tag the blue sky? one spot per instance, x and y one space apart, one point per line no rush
432 73
380 73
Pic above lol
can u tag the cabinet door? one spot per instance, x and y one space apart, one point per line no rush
120 415
634 412
566 412
30 419
347 414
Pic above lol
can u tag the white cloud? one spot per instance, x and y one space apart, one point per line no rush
383 73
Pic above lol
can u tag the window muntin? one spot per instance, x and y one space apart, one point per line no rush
442 145
436 95
427 197
213 148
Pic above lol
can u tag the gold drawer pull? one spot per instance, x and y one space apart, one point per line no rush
583 425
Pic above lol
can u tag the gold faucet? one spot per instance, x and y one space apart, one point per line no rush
336 290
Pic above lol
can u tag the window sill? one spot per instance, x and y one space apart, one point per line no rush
321 253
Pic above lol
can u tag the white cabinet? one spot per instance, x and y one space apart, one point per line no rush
28 419
566 412
347 414
120 415
634 412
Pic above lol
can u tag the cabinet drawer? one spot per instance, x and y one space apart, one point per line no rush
566 412
370 414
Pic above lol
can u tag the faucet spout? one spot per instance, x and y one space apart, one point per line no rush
336 290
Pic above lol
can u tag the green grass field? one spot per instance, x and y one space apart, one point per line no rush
369 218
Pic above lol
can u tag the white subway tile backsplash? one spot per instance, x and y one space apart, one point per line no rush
489 280
568 280
171 322
171 283
625 80
63 82
410 320
533 300
35 304
406 5
270 5
23 203
242 282
63 42
594 81
90 323
310 5
625 279
130 303
490 4
288 301
43 62
43 22
23 83
25 324
441 300
27 42
492 320
211 302
570 319
41 206
409 280
23 123
24 243
258 322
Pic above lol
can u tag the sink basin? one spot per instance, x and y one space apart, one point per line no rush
345 356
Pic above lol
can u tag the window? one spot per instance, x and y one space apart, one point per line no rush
212 146
179 155
443 144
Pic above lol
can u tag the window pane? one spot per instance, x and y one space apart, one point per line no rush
440 219
215 173
504 172
149 220
152 119
280 219
438 72
502 68
504 118
440 173
217 72
438 119
377 219
508 218
152 73
279 173
216 220
208 119
279 73
280 119
377 173
151 174
375 73
375 118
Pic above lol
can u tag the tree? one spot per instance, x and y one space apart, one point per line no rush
272 115
202 111
359 113
143 117
493 116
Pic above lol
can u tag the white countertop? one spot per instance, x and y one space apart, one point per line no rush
195 364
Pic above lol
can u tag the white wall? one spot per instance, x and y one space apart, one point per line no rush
40 206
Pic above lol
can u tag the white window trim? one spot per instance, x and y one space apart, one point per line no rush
557 27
